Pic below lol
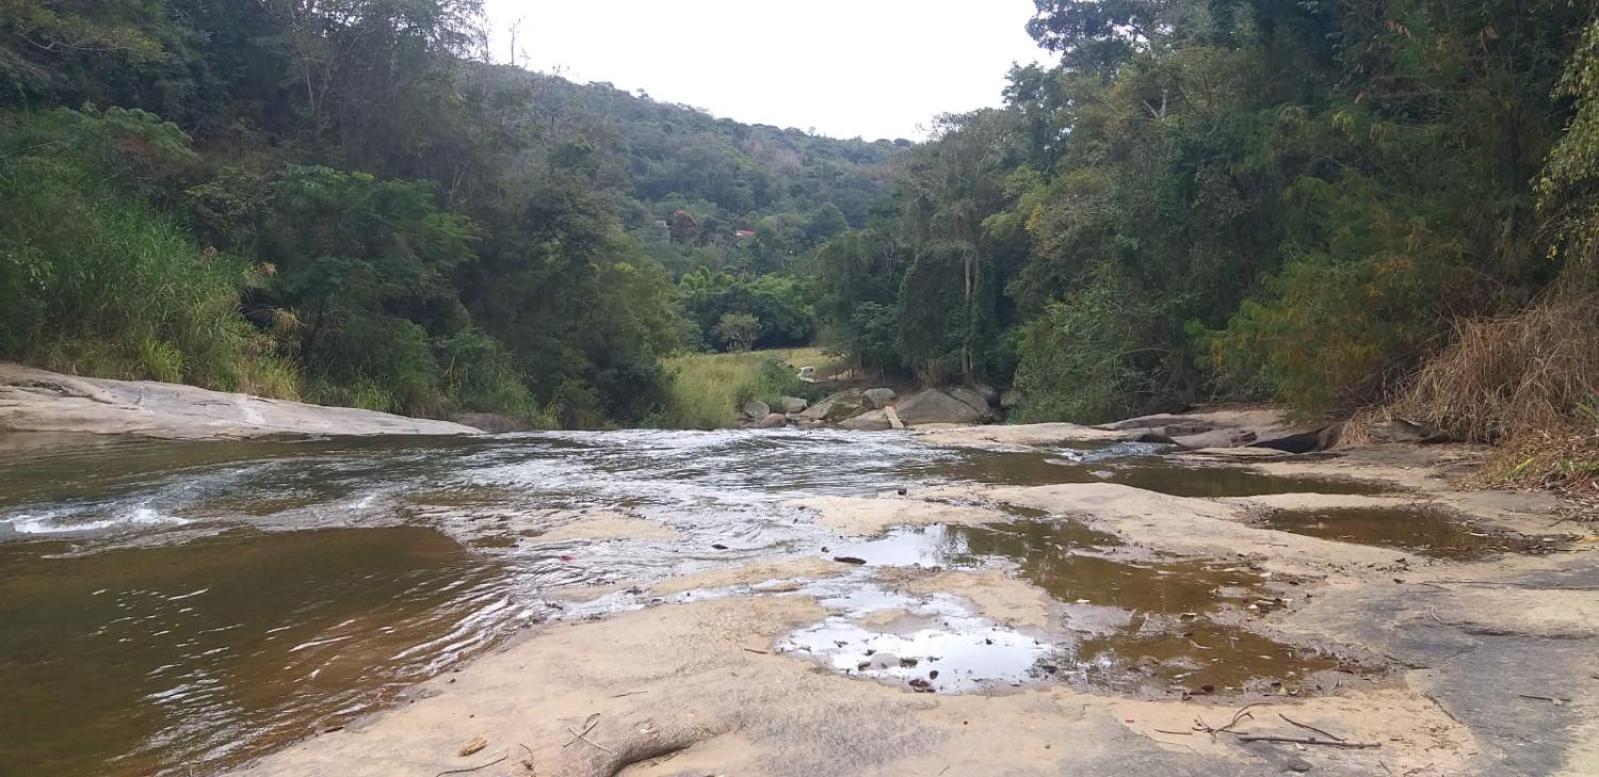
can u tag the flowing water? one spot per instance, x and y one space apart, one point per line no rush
176 607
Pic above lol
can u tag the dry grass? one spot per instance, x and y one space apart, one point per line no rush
1509 377
1527 382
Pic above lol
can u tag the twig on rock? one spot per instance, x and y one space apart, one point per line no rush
1306 741
1310 728
473 768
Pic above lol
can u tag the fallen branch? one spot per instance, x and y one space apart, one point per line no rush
1555 699
1306 741
754 650
473 768
629 693
1310 728
1238 717
583 737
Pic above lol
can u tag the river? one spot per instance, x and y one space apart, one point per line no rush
180 607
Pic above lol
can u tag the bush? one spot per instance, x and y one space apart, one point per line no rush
706 389
1331 335
97 281
1084 360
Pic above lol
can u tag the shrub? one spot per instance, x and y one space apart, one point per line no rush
97 281
1084 359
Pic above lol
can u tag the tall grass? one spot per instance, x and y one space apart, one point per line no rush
707 388
98 282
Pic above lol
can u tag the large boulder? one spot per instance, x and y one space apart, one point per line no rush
772 421
871 421
755 410
977 399
837 407
879 398
938 406
791 405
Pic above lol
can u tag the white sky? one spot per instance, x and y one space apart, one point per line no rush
872 68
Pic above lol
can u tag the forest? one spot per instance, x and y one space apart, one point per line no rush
346 203
1369 207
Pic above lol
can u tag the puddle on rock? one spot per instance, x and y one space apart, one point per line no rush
1425 531
1151 626
204 654
932 644
1206 657
1129 464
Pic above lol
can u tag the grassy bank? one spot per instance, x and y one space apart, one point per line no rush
708 387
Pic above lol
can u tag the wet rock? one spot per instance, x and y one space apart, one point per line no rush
937 406
772 421
755 409
872 421
849 560
792 404
879 398
1293 443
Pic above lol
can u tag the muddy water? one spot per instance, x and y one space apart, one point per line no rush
1426 531
1127 622
113 662
1130 464
173 608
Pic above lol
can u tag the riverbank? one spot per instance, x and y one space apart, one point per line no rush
34 400
1467 648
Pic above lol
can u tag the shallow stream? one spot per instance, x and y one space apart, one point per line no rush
174 608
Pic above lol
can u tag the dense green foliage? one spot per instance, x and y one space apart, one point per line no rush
1204 199
1224 198
341 201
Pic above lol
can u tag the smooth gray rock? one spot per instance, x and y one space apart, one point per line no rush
935 406
33 400
772 421
970 396
870 421
755 410
879 398
792 404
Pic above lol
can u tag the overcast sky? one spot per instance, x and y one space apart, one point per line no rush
872 68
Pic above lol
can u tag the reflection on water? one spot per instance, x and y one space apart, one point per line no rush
1422 530
1130 464
1137 624
131 661
166 603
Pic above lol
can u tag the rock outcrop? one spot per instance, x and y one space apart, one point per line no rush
755 410
879 398
870 421
944 406
33 400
